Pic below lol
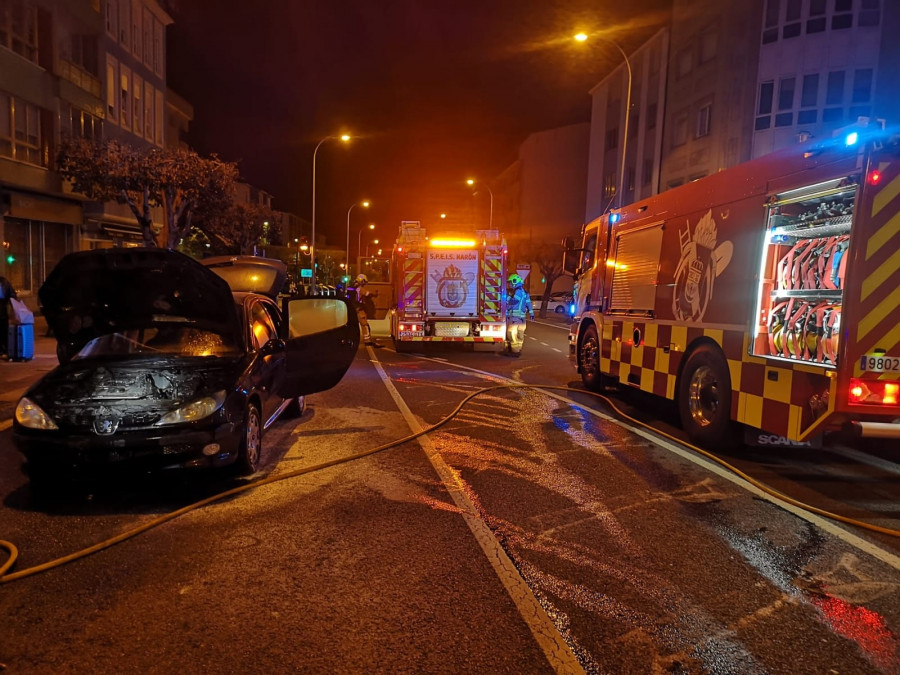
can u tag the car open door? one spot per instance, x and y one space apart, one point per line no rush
321 337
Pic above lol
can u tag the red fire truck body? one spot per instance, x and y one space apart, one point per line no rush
766 294
448 288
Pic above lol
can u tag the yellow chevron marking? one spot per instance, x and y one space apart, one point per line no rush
888 343
876 316
883 235
880 275
885 195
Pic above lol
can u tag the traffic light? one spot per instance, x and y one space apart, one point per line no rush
345 278
10 259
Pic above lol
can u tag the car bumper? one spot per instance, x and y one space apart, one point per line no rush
138 450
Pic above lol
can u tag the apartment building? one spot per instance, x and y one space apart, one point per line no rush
739 79
89 69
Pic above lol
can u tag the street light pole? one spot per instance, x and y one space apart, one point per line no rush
312 250
471 181
365 204
581 37
359 243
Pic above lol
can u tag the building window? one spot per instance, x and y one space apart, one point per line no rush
158 48
634 125
870 14
652 111
792 23
112 18
647 172
810 92
703 120
112 89
843 15
833 115
862 85
136 41
786 93
612 139
609 185
148 111
138 117
159 120
20 130
834 92
858 111
125 96
764 105
680 131
629 178
18 28
147 28
124 22
76 123
807 116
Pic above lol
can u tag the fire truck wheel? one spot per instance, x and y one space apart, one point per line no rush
704 397
589 360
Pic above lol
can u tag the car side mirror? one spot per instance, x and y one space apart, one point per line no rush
273 346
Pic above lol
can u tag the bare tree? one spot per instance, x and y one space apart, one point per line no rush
548 258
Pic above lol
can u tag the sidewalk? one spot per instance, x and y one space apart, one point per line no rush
17 376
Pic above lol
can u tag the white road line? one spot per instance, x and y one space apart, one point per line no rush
829 526
558 351
558 653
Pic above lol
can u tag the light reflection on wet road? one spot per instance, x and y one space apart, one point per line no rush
646 563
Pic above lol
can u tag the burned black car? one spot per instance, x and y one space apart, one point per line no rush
167 362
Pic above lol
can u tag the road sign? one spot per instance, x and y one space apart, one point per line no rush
523 270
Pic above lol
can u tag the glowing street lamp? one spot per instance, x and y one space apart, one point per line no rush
345 138
471 182
582 37
359 239
364 204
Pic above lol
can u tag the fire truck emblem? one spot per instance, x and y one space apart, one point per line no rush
701 262
452 286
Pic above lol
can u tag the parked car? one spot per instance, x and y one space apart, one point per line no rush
560 302
167 362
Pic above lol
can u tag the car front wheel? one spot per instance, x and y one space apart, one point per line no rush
251 443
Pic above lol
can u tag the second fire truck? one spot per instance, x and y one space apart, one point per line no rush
765 294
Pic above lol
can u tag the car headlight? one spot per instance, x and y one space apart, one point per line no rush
30 415
195 410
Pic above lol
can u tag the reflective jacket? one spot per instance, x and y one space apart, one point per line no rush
518 304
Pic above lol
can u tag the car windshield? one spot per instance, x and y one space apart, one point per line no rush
169 340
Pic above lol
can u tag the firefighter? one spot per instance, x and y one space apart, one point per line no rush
365 305
518 306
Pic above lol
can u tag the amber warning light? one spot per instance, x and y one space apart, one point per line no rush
876 392
452 243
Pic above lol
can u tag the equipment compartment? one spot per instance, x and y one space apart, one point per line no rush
802 272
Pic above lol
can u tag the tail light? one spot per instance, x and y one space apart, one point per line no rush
874 392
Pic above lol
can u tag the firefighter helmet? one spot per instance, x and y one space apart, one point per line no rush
361 280
515 280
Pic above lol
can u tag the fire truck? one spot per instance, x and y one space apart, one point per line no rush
766 294
449 287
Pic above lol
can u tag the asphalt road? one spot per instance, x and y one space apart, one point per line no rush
525 534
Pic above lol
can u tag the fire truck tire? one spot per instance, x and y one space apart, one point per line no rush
704 397
589 360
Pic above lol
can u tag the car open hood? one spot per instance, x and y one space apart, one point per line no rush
249 273
94 293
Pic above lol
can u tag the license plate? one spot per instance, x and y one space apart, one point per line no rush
409 334
879 363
